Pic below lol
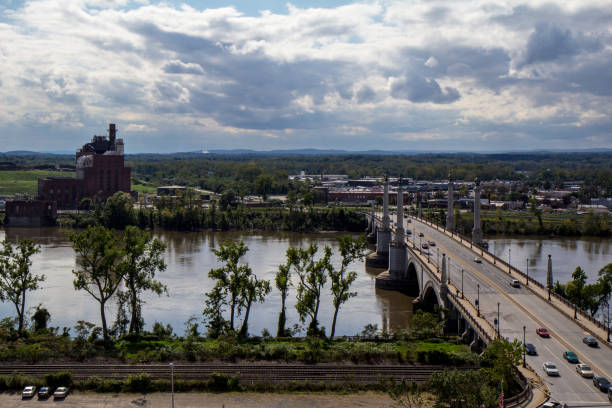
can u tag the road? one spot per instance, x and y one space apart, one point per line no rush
520 307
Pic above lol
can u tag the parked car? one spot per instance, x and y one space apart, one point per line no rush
602 383
477 260
44 392
570 356
590 341
550 369
530 349
60 392
28 392
409 221
542 332
584 370
515 283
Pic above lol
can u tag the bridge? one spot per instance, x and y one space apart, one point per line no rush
478 301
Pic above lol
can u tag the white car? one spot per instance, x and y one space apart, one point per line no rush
28 392
550 369
584 370
477 260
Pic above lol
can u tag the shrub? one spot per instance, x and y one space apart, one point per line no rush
138 383
62 379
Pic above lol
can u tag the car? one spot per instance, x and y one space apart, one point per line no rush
530 349
28 392
424 245
431 243
542 332
421 234
570 356
60 392
602 383
584 370
44 392
515 283
408 220
550 369
408 232
590 341
477 260
553 404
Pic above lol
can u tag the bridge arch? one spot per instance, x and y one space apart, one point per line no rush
410 274
429 298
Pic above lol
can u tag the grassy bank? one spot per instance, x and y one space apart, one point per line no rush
25 181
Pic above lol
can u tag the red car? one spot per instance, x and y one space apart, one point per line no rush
542 332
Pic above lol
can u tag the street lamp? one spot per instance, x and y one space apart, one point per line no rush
172 381
509 263
498 322
438 262
524 348
527 282
494 261
461 283
478 299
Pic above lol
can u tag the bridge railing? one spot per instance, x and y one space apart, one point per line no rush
509 269
468 315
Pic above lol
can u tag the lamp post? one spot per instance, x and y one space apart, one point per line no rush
524 348
509 263
498 322
478 299
461 283
172 381
527 282
438 261
494 253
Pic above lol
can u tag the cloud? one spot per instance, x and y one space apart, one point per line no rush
365 73
419 89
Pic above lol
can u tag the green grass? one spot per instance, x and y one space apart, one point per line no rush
143 187
26 181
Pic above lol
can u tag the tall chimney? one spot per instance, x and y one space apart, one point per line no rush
112 133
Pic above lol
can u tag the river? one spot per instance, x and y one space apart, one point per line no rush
189 257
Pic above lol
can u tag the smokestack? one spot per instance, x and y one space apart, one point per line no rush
112 133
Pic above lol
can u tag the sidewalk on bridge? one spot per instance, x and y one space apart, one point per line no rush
565 309
539 391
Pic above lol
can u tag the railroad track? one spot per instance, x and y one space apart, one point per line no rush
248 373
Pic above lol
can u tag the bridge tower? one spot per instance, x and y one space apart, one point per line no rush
477 231
450 216
371 236
380 258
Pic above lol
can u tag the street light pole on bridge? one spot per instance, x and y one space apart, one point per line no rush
461 283
478 299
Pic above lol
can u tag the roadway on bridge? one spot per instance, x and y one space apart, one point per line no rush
520 307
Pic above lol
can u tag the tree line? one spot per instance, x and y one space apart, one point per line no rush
107 258
590 297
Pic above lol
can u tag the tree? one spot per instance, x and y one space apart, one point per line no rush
16 278
341 280
426 325
254 290
312 275
406 394
40 318
118 211
232 276
143 258
466 389
282 282
214 306
99 252
263 185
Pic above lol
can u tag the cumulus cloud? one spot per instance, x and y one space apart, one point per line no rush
308 77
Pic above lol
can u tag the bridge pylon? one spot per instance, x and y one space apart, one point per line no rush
380 258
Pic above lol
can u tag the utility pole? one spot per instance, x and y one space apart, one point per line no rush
527 282
524 348
172 381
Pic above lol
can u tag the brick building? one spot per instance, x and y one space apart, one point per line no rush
100 170
31 213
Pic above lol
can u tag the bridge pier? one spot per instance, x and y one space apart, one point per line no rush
380 258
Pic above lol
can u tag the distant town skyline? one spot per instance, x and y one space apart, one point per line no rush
424 75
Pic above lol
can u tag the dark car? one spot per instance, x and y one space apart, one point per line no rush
590 341
570 356
602 383
44 392
542 332
530 349
421 234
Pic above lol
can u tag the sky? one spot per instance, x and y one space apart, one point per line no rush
431 75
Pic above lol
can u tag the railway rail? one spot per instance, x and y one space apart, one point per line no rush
248 373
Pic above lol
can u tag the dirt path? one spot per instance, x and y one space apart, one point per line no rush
204 400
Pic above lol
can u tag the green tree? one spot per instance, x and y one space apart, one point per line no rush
503 356
99 257
231 277
263 185
142 259
426 325
312 277
406 394
214 307
16 278
283 282
255 290
40 318
341 280
118 211
466 389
